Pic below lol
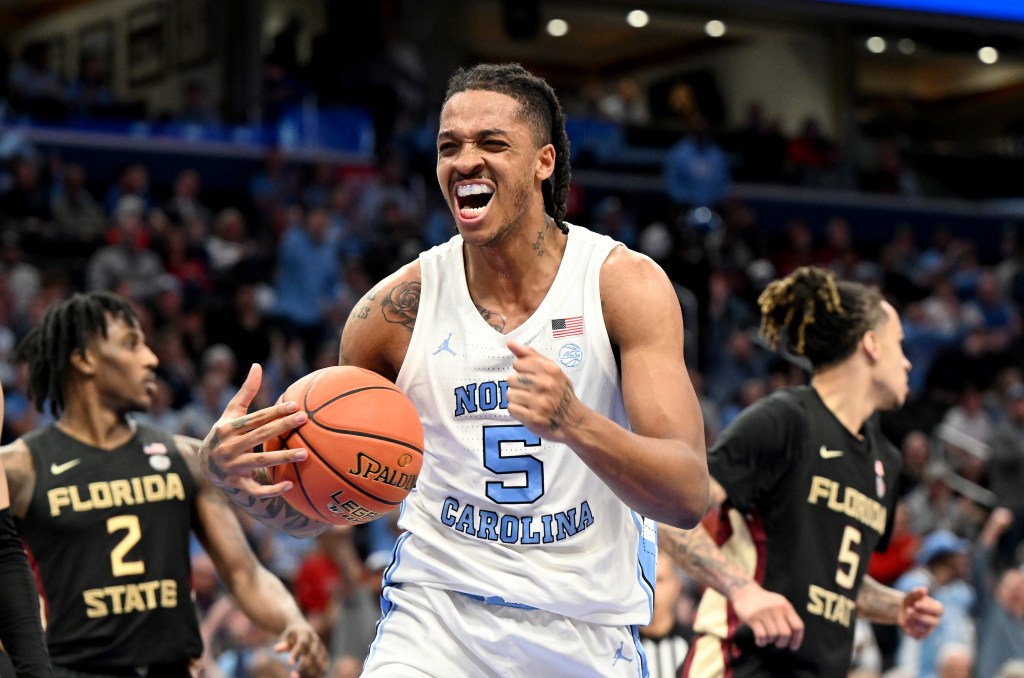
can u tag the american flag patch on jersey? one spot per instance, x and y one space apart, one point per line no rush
567 327
154 448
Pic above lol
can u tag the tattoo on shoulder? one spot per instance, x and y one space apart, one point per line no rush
495 320
401 304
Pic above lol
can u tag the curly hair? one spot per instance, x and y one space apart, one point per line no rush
539 105
821 319
66 327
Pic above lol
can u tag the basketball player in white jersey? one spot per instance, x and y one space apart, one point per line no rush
546 362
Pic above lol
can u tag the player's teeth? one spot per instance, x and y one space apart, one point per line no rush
470 212
472 189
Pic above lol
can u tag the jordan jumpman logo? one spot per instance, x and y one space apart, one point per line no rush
444 346
619 655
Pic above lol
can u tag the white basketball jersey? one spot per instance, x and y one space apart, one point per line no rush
498 511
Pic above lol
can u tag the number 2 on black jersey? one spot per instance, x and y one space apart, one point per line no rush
118 564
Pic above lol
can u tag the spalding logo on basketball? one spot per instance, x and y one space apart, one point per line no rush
365 445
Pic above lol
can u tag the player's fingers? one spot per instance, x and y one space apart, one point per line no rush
259 491
761 632
796 625
521 350
273 428
248 390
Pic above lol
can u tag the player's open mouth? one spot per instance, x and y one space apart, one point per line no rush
472 199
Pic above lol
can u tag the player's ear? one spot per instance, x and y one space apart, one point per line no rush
870 343
545 161
82 361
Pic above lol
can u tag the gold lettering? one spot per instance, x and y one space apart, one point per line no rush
99 495
140 496
131 598
149 588
168 593
58 497
77 505
175 488
819 489
115 593
95 607
121 492
829 605
853 503
155 488
133 601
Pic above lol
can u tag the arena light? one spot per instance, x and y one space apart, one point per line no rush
906 46
988 55
558 27
638 18
715 28
876 44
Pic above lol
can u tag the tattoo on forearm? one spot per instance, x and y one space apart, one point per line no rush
401 304
698 554
879 603
495 320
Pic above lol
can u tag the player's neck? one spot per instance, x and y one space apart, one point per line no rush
90 422
513 277
845 392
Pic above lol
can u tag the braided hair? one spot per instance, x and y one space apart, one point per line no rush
822 319
539 105
66 328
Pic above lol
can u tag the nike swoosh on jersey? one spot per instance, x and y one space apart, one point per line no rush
57 469
829 454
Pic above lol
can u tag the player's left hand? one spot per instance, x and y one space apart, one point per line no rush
919 613
307 654
541 395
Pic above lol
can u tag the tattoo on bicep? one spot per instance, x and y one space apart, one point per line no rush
401 304
495 320
363 313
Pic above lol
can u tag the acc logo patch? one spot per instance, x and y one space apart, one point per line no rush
570 355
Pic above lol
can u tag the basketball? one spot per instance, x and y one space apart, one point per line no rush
365 445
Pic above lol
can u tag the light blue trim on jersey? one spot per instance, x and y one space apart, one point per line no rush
496 600
387 610
646 560
643 670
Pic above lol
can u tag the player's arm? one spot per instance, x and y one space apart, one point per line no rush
261 595
21 627
915 612
769 615
378 330
659 468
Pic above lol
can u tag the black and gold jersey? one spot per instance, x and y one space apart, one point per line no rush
808 503
109 533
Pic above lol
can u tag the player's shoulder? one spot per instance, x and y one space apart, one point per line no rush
377 332
19 469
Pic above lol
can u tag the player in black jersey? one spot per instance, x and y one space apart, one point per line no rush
21 633
805 492
106 506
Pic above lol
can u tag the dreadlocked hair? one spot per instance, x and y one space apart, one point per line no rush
66 328
821 319
540 106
